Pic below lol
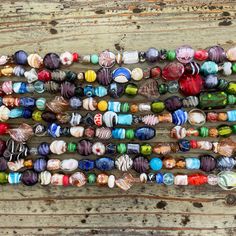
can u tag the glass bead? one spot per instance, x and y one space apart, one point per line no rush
90 76
173 87
94 59
124 107
201 55
155 163
71 76
231 54
37 116
159 178
129 134
20 57
203 132
131 89
146 149
102 105
71 147
168 179
216 54
91 178
184 54
155 72
39 87
157 107
3 178
51 61
224 131
121 148
172 71
162 88
209 67
152 55
41 103
170 55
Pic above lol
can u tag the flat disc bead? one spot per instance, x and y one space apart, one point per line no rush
51 61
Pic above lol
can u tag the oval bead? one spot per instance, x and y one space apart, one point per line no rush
216 54
51 61
145 133
231 54
179 117
69 165
86 165
105 164
121 75
201 55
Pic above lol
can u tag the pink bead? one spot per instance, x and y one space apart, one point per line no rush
172 71
184 54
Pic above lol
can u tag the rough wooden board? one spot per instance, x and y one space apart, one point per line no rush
90 26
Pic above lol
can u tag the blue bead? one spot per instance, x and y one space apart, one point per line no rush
209 67
168 178
105 164
145 133
111 148
27 113
14 178
20 87
192 163
54 130
114 106
43 149
16 113
184 145
20 57
88 90
100 91
155 163
118 133
40 165
86 165
159 178
179 117
75 103
125 119
27 102
231 115
121 75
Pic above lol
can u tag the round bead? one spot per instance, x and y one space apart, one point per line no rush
107 59
157 107
184 54
201 55
91 178
137 74
170 55
155 163
51 61
37 116
102 105
216 54
131 90
172 71
94 59
90 76
152 55
41 104
20 57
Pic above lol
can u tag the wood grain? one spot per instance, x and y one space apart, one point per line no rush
91 26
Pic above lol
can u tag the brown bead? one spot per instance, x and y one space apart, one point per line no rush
102 179
167 117
169 162
134 108
28 163
180 163
63 118
213 132
222 116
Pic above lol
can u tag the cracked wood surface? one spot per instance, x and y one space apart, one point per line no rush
91 26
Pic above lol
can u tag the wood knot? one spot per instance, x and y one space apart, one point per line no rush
230 199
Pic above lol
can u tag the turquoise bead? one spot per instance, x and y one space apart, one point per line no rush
16 113
41 104
94 59
192 163
155 163
209 67
39 87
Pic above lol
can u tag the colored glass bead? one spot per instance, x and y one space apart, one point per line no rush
146 149
157 107
159 178
3 178
231 88
145 133
172 71
179 117
216 54
212 100
170 55
224 130
203 132
162 88
102 105
20 57
155 163
152 55
197 179
51 61
234 67
201 55
105 164
121 148
121 75
41 104
3 128
94 59
129 134
168 179
184 54
90 76
39 87
131 90
209 67
86 165
71 147
91 178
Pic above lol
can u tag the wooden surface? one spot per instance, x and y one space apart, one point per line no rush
91 26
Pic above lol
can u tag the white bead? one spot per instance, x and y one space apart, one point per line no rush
130 57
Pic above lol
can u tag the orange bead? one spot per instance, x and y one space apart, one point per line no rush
134 108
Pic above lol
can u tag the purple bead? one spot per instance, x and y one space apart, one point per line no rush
211 81
43 149
216 54
75 103
51 61
20 57
3 164
104 76
152 55
40 165
29 177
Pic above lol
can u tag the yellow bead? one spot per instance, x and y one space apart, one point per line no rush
37 115
90 76
7 71
102 105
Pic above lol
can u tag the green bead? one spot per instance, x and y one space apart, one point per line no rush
146 149
162 88
222 84
121 148
3 178
94 59
37 115
91 178
157 107
173 87
231 89
129 134
231 99
203 132
233 128
234 67
131 90
224 131
71 147
124 107
170 55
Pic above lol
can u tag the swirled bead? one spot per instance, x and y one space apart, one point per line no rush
114 106
225 163
77 179
29 178
58 76
4 113
192 163
45 178
179 117
110 118
75 119
84 147
51 87
75 102
184 145
145 133
124 162
41 103
53 164
216 54
211 81
100 91
209 67
105 164
103 133
54 130
116 90
40 165
67 90
19 71
184 54
51 61
43 149
58 147
7 87
208 163
35 61
60 180
14 178
89 90
118 133
141 164
227 68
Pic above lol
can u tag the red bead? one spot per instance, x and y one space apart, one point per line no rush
172 71
3 128
44 75
201 55
190 85
197 179
193 144
65 180
155 72
212 117
75 56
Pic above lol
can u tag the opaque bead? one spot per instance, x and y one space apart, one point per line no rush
102 105
129 134
71 147
91 178
121 148
233 67
131 90
20 57
90 76
37 116
157 107
146 149
51 61
94 59
170 55
155 163
3 128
